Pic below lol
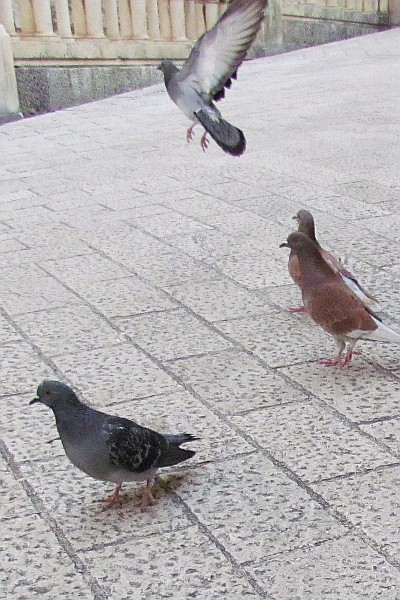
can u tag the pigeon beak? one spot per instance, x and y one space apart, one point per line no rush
284 245
34 401
295 217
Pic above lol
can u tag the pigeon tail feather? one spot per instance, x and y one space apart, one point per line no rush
229 138
382 333
175 455
180 438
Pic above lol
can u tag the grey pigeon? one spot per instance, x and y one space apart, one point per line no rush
210 68
110 448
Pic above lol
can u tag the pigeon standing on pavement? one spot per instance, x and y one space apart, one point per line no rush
111 448
331 304
306 225
210 68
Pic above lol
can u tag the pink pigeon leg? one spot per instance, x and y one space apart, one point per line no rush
332 362
147 496
189 132
348 357
204 141
115 499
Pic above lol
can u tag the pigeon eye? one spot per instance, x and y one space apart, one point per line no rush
47 392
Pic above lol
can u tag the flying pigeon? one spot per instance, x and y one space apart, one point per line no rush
306 225
331 304
211 66
111 448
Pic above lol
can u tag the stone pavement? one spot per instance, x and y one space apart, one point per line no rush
148 275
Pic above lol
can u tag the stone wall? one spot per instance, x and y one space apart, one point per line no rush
322 21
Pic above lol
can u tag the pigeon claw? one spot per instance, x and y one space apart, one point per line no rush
330 362
115 500
147 497
189 134
347 358
204 141
298 309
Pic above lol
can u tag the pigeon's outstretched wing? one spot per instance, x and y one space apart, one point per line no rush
219 52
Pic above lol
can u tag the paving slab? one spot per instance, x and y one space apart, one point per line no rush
148 275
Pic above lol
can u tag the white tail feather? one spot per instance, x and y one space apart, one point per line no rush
383 333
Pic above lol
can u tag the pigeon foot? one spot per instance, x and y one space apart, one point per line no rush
298 309
347 358
330 362
189 134
147 497
115 500
204 141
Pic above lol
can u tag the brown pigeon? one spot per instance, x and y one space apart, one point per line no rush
331 304
306 225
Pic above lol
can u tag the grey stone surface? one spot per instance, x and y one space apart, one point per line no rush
44 89
234 382
279 516
149 569
366 393
321 29
328 571
114 374
147 275
387 432
370 501
295 434
172 334
47 569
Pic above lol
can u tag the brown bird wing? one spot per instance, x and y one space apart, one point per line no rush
337 266
333 262
332 306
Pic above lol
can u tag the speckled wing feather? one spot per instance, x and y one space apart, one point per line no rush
218 53
131 446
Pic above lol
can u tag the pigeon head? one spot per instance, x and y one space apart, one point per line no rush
168 69
53 393
309 255
306 225
298 241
